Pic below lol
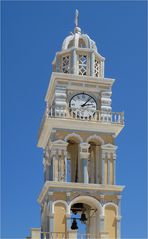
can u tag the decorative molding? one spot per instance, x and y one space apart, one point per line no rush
113 205
95 138
62 202
91 201
73 135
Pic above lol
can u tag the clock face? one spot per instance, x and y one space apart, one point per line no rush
83 105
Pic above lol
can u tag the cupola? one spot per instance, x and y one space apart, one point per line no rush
79 55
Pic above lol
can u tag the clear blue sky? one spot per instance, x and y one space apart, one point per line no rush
32 32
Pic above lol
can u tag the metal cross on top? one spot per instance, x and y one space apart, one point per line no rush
76 17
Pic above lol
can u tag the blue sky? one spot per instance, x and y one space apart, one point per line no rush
32 32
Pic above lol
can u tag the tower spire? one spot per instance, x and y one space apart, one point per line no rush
77 29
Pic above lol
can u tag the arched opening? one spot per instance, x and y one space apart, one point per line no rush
60 217
85 214
82 43
71 44
110 220
94 162
72 160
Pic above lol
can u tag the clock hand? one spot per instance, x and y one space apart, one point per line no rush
85 102
88 104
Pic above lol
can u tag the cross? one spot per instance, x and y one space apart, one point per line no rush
76 17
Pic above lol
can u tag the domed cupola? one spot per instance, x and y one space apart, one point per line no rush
79 55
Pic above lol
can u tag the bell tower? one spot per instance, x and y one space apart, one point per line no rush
80 197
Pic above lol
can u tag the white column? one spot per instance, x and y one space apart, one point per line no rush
84 158
101 223
74 62
118 220
85 170
108 173
65 163
114 166
103 169
50 213
57 63
55 168
92 61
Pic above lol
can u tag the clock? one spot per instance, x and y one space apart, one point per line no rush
83 105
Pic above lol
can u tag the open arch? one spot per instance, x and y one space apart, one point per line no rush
91 208
112 205
75 137
110 211
61 202
95 160
96 139
87 200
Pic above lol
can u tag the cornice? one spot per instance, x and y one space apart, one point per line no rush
64 186
69 78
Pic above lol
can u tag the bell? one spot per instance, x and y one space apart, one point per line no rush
76 208
74 225
83 218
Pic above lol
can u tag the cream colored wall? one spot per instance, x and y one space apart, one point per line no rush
59 219
59 196
110 222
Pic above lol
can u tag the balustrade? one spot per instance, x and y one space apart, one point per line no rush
68 235
99 116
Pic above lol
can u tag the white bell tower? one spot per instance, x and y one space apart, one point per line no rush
77 135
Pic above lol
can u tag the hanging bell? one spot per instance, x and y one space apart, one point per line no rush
83 218
74 225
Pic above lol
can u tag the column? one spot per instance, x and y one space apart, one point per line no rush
74 62
80 176
51 215
92 62
114 168
97 164
85 170
84 155
57 63
59 154
111 171
101 223
65 164
103 170
68 216
55 168
118 218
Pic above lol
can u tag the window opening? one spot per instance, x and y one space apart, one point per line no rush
65 64
97 68
82 64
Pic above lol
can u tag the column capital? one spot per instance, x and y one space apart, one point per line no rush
119 197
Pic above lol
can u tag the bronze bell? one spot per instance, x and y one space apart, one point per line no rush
74 225
83 218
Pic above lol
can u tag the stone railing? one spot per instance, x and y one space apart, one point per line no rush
68 235
99 116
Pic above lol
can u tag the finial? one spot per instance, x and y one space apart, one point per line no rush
76 18
77 29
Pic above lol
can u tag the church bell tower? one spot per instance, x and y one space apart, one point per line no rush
79 198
